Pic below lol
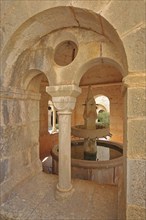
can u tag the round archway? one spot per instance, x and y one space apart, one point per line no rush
34 44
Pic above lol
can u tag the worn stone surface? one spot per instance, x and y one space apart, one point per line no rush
118 41
125 17
4 169
136 102
135 213
136 187
135 41
136 145
29 202
11 9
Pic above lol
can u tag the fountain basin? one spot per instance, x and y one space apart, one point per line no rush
82 132
102 172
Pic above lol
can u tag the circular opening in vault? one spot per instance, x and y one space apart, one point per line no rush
65 53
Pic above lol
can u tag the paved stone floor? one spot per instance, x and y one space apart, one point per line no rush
35 199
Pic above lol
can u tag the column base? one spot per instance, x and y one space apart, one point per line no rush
62 194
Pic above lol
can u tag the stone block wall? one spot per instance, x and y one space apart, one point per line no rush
19 155
135 147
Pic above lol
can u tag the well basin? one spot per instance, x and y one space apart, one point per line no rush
102 172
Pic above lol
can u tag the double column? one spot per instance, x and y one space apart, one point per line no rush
64 98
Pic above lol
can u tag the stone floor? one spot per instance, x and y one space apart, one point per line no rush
35 199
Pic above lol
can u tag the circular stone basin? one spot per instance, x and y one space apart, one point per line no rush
102 172
82 132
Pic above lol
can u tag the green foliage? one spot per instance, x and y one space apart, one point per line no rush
103 119
57 126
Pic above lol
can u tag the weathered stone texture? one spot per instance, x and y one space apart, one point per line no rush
135 213
21 121
14 111
136 187
4 169
135 49
127 14
136 142
136 102
14 139
34 199
33 110
9 16
34 152
10 12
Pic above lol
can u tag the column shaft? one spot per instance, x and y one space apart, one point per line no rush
54 120
64 151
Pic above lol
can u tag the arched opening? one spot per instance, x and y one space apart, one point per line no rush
102 73
104 79
53 126
103 112
36 85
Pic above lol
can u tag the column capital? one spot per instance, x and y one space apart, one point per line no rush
64 103
64 96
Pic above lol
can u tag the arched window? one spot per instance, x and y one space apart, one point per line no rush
52 118
103 111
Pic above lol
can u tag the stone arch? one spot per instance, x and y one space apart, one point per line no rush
34 84
41 24
100 60
105 104
30 76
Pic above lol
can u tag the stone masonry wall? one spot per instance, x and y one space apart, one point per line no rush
19 139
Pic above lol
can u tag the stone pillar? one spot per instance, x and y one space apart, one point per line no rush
54 119
134 145
64 151
49 119
64 98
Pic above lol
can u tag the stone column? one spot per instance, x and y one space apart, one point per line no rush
54 119
49 119
64 151
134 145
64 98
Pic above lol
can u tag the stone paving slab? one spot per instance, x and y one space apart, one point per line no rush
35 199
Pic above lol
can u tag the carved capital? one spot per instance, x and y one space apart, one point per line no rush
64 103
64 96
